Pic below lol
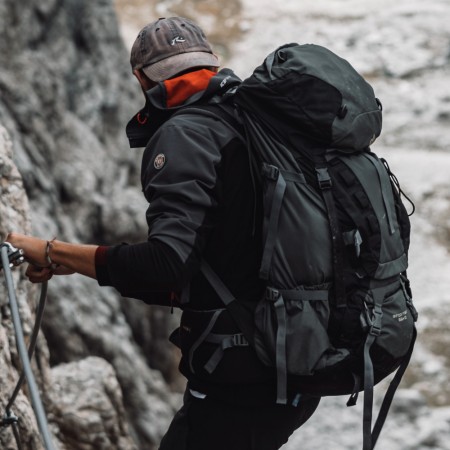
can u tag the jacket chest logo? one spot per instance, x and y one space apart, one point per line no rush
160 160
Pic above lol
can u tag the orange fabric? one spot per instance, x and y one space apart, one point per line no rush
179 89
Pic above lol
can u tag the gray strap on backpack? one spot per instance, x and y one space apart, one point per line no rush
276 201
325 184
374 332
277 296
281 362
202 337
225 341
370 436
222 291
391 392
239 314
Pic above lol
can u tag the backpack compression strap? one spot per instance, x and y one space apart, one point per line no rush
325 184
391 392
370 436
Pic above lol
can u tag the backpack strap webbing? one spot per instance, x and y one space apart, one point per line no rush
370 436
275 199
325 184
278 296
386 404
226 112
237 312
202 338
374 332
218 111
241 316
223 342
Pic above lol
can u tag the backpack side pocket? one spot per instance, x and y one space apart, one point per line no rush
291 329
397 329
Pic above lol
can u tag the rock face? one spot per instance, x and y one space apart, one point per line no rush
66 95
13 212
107 375
81 398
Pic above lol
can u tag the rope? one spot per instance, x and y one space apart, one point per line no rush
25 357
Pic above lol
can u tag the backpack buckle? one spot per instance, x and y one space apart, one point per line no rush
323 177
375 326
371 316
375 329
272 294
270 172
239 340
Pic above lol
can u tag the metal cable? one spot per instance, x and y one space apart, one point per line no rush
21 347
32 345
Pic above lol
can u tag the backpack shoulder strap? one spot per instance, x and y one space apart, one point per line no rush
242 317
224 111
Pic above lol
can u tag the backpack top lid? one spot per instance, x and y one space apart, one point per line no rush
306 92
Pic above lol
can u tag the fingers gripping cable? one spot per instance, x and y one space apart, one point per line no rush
11 256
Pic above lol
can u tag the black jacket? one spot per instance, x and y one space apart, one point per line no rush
203 203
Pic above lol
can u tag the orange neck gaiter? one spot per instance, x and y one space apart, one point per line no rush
179 89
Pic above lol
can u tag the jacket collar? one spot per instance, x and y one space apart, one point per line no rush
171 95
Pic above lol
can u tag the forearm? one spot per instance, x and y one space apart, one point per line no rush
77 257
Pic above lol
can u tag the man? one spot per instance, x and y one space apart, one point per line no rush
203 207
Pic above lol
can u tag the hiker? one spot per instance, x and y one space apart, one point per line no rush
204 205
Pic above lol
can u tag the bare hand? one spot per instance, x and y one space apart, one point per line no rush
41 274
38 274
60 258
33 248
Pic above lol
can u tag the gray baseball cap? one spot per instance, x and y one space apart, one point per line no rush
170 46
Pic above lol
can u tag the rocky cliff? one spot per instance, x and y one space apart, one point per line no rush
106 373
66 93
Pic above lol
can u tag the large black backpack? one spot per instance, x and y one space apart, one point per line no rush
336 316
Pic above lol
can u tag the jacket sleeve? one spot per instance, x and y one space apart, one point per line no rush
180 181
183 192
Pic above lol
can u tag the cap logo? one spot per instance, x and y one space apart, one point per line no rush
178 40
159 162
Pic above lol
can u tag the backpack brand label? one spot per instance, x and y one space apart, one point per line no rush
400 316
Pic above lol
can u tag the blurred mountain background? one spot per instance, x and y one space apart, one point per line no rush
107 374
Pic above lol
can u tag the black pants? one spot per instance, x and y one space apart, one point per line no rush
208 424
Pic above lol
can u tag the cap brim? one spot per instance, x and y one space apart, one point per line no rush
169 67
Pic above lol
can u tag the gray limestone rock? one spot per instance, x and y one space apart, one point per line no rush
67 93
